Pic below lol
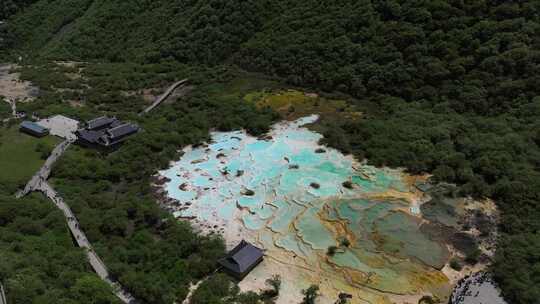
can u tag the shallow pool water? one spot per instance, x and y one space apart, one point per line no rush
289 191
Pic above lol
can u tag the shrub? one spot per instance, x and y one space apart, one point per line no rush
310 294
269 295
347 184
345 242
473 256
331 250
456 264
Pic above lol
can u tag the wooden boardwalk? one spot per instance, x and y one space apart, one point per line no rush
164 96
83 242
45 170
2 295
39 183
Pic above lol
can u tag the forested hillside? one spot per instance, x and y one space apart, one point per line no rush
447 87
145 31
11 7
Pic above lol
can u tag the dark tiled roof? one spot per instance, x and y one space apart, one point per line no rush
100 122
122 130
116 123
242 257
89 136
106 131
32 126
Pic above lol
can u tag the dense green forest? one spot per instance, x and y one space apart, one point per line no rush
39 263
11 7
447 87
154 256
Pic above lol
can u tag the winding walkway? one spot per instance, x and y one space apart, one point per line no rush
2 295
39 183
97 264
164 96
45 170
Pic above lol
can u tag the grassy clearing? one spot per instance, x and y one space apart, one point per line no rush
237 88
19 159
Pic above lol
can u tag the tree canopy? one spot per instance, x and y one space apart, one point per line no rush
445 87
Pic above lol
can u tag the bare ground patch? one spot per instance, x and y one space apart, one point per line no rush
12 88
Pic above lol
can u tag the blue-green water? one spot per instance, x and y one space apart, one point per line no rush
293 198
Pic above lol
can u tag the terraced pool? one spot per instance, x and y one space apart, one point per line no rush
313 208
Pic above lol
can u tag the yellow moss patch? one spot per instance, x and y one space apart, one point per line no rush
292 104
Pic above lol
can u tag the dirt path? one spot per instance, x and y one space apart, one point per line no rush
14 114
192 289
13 106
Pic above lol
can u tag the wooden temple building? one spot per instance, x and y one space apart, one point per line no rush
105 132
241 260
